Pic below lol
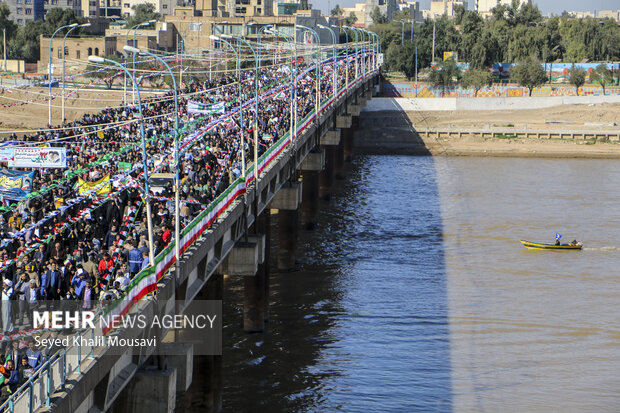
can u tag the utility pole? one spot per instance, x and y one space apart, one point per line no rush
434 41
4 37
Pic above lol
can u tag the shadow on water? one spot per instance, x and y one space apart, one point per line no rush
388 133
362 326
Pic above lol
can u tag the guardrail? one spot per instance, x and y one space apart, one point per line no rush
52 376
611 135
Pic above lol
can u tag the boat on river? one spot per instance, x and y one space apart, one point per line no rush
541 246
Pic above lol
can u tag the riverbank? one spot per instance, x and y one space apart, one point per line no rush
394 132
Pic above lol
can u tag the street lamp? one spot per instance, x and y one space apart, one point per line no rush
49 70
293 122
216 38
101 60
334 54
226 36
318 69
183 50
134 28
177 224
346 60
356 51
63 66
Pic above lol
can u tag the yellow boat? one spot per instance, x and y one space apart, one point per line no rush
540 246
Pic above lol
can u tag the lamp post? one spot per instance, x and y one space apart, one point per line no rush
334 55
177 224
216 38
402 32
318 69
101 60
63 66
346 59
226 36
134 28
49 71
363 65
183 50
356 50
293 122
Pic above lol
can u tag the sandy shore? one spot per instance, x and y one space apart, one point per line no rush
394 132
18 117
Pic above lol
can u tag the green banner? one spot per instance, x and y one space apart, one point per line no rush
124 166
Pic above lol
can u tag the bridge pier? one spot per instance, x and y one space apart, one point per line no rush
205 392
287 202
310 170
329 142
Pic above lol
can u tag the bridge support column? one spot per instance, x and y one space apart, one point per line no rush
329 142
150 391
263 226
310 203
347 143
310 169
287 202
205 392
254 292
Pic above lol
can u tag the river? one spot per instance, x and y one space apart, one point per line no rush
414 294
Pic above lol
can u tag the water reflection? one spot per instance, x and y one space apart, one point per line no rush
363 324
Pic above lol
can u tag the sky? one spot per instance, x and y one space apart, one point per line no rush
546 6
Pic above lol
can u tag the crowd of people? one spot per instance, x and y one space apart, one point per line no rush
77 250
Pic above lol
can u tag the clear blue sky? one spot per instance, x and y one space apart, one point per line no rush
546 6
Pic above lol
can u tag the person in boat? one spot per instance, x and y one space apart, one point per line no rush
558 236
573 243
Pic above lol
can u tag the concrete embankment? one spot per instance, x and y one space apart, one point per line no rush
395 132
477 104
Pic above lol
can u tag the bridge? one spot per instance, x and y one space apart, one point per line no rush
231 237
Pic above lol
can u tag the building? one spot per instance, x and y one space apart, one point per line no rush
193 30
484 7
443 8
74 5
413 7
163 7
287 9
234 8
23 11
359 10
77 49
582 14
609 14
386 7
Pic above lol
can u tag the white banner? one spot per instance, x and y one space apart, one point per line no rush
6 155
39 158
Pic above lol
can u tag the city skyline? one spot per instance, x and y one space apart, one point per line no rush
545 6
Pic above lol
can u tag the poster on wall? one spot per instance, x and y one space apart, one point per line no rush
15 185
39 158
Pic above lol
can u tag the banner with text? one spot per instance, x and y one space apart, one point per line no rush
39 158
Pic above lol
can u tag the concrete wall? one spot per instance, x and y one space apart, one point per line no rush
451 104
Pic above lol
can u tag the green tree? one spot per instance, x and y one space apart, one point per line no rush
402 58
445 73
476 79
577 76
351 19
529 73
107 75
337 11
378 17
142 13
601 75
